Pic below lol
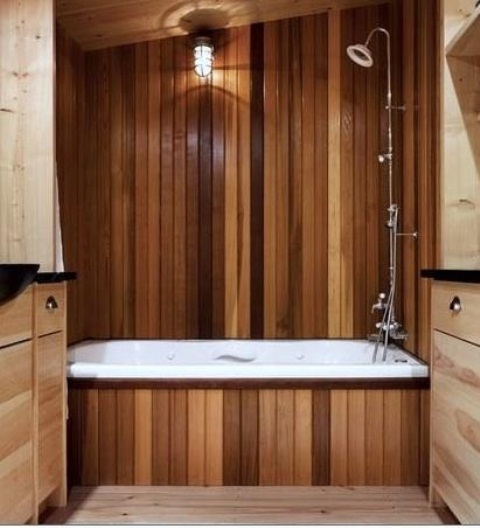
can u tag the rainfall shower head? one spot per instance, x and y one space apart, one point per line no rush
361 55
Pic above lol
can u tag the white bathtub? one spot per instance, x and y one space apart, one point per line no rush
242 359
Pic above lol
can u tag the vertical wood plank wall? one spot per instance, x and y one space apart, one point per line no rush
251 205
179 228
27 156
244 437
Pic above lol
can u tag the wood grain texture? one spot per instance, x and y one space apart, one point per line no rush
27 150
203 232
456 425
244 437
105 23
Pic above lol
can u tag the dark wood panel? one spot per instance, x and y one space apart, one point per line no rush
321 438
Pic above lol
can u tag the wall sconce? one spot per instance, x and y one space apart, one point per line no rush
203 56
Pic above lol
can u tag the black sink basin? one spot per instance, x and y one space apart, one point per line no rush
14 278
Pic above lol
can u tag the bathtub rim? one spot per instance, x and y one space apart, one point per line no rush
413 383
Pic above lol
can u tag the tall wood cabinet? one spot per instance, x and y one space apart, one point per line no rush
32 403
455 468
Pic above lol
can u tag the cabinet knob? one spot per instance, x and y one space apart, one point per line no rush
456 305
51 303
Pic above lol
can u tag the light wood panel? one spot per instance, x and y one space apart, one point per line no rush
50 360
16 433
244 437
107 23
26 128
456 425
16 319
280 505
460 190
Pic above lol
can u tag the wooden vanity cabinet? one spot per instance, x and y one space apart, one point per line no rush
32 403
16 411
455 435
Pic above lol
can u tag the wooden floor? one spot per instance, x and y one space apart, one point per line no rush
248 505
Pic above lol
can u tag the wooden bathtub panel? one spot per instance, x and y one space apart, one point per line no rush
244 437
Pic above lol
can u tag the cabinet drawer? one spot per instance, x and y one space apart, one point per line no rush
456 425
49 308
463 324
16 319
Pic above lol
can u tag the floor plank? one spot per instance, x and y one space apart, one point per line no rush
249 505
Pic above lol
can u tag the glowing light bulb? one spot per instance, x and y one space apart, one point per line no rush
203 56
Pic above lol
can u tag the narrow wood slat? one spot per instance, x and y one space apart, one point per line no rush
244 182
152 302
214 438
308 275
285 437
218 189
161 438
143 451
142 131
270 166
257 236
178 429
167 189
392 414
267 437
410 439
179 187
374 432
232 447
125 437
323 438
197 427
107 437
338 438
334 173
89 439
303 438
356 437
249 437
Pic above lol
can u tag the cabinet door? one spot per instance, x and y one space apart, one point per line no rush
16 443
51 375
456 425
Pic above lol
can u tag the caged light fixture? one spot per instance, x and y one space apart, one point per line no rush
203 56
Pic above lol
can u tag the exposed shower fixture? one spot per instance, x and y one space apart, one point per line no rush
388 328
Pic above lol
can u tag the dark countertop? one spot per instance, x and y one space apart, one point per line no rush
55 276
450 275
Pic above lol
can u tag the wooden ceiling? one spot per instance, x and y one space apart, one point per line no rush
96 24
